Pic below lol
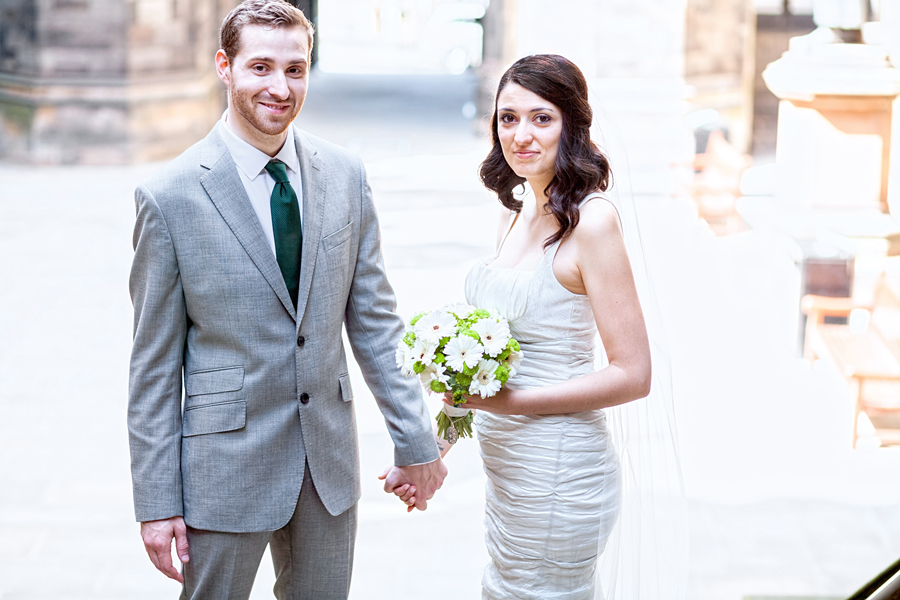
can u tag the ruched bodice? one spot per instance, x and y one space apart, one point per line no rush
554 326
551 496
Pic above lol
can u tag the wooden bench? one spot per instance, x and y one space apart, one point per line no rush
869 359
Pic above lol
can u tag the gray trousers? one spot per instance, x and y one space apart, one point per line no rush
313 556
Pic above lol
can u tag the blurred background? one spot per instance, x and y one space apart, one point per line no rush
756 137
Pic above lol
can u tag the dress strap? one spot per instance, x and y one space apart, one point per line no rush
591 196
602 196
514 217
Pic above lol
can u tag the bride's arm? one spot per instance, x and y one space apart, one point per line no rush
602 269
442 444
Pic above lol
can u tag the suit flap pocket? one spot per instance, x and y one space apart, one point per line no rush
214 418
338 237
346 391
214 381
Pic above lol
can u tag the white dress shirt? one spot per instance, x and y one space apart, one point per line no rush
251 164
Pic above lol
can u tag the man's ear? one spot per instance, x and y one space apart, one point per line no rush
223 67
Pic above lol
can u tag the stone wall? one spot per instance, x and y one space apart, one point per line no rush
107 81
720 41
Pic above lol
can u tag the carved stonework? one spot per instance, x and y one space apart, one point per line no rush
107 81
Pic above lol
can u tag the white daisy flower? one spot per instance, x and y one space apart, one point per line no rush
494 335
434 372
484 383
423 351
435 326
515 361
404 358
462 351
460 309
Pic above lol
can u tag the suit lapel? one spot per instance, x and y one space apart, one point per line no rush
312 174
226 190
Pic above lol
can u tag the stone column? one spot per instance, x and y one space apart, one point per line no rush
834 122
500 25
836 103
107 81
637 73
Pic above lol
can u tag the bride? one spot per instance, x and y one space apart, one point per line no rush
560 275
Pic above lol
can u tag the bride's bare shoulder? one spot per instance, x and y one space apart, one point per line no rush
597 219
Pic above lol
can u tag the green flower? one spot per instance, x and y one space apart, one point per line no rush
472 334
513 345
480 314
463 380
438 387
458 397
409 339
439 358
502 374
418 367
415 318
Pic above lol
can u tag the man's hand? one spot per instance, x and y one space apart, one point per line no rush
425 479
157 536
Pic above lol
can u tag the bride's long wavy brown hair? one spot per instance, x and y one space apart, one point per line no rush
581 168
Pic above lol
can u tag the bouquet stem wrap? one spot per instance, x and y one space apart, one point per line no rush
454 422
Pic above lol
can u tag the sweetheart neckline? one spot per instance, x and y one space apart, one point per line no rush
534 271
551 250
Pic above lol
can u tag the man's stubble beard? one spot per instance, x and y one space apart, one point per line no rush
242 102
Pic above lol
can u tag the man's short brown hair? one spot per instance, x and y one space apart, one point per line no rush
268 13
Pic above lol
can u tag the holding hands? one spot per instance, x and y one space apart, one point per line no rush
415 485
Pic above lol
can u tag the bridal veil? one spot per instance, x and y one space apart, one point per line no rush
646 556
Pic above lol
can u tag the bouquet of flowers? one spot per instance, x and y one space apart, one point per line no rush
461 349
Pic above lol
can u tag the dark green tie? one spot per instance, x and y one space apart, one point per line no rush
286 226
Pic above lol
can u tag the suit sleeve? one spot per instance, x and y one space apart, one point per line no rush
374 329
157 359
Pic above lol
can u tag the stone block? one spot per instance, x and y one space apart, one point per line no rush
18 37
107 81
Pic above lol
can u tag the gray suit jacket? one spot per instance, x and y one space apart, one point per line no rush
211 310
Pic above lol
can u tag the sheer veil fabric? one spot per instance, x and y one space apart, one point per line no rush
646 555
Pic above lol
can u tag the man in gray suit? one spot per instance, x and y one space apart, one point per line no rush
252 250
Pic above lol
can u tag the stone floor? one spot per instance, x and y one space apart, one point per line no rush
778 503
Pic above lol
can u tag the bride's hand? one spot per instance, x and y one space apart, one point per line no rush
406 492
503 402
448 400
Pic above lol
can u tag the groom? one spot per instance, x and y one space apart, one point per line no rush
252 250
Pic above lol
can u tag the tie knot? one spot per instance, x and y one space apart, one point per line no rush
278 170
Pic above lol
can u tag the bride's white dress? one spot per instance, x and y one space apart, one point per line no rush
552 491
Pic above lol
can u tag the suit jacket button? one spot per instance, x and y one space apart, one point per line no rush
304 398
301 340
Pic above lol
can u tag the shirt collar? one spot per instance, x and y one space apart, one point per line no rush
251 160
